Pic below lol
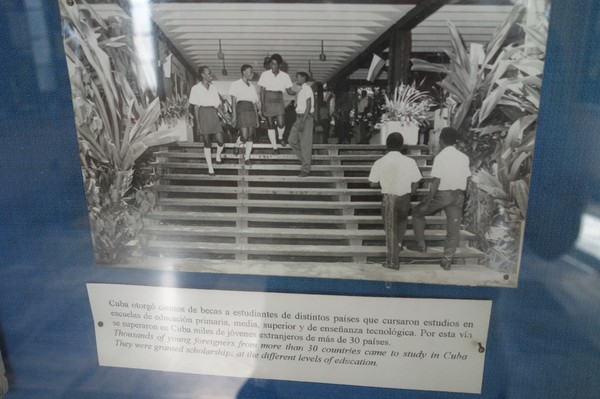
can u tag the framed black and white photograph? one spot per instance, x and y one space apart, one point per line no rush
385 141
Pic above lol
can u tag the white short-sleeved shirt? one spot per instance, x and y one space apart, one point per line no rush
362 105
452 168
270 82
304 94
395 173
243 91
202 97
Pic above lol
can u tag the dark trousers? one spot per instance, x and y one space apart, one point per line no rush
451 201
325 125
301 141
394 210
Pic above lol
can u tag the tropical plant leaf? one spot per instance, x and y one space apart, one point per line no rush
154 139
519 191
529 66
127 129
489 184
490 102
118 41
461 112
146 122
100 63
533 95
458 45
453 88
96 151
516 165
536 37
500 34
515 132
94 14
425 66
497 72
489 129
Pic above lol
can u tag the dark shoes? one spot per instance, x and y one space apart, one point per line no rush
275 151
393 267
417 248
445 265
283 143
247 162
236 150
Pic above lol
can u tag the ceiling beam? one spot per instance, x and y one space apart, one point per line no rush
267 43
276 16
291 22
277 29
410 20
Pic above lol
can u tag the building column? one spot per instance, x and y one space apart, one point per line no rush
399 60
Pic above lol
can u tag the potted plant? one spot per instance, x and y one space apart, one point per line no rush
495 102
405 112
175 114
116 126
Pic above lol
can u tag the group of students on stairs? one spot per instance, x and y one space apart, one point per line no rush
396 174
248 108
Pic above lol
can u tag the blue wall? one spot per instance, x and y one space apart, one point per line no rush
544 340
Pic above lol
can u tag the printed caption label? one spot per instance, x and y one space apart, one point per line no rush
424 344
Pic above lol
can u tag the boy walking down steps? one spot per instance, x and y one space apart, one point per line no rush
397 175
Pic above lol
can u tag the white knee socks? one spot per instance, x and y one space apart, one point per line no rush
207 156
248 150
220 149
272 138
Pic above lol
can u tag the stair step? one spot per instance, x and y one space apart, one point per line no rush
275 190
258 178
282 167
282 157
272 203
304 250
199 231
330 147
276 218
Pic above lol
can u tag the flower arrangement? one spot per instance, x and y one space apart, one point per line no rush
408 105
372 115
357 118
175 109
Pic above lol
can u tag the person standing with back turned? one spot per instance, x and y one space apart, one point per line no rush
397 175
451 175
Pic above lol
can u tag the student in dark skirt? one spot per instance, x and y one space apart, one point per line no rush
206 100
273 83
245 108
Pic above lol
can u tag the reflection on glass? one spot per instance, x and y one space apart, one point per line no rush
589 234
40 46
141 16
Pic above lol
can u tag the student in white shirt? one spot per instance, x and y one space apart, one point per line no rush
301 134
273 83
245 108
451 175
398 176
206 100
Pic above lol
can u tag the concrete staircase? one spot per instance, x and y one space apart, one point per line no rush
266 212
